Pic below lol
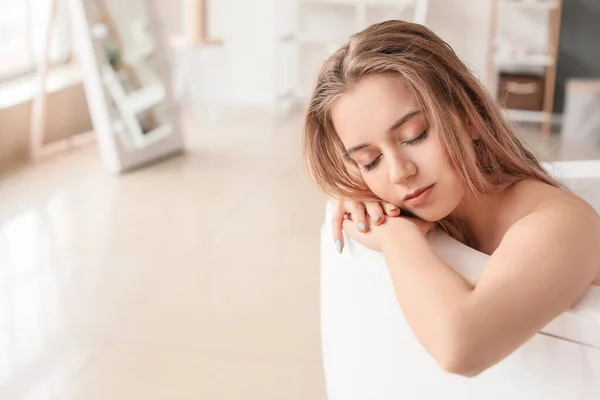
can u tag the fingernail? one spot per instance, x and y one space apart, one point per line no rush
339 245
392 209
362 226
377 218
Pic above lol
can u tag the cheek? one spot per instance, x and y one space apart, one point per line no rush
378 182
431 155
450 183
453 189
434 165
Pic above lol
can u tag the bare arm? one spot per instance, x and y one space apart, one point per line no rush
544 264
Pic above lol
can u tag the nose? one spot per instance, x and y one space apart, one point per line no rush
400 170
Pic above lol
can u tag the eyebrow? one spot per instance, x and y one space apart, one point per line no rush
401 121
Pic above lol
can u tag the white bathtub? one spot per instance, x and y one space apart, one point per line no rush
370 352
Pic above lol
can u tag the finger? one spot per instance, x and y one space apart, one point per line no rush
337 221
349 227
375 212
357 210
391 210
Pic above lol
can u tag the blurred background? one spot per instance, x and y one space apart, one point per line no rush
158 233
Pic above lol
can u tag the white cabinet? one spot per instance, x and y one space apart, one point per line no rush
313 29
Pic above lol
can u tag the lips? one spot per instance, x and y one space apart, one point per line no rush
419 197
416 193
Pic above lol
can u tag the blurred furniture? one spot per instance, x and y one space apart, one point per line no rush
38 113
67 123
521 91
199 62
126 76
319 27
370 351
39 144
199 76
517 57
195 23
581 117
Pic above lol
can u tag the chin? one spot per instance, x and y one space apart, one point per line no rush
431 215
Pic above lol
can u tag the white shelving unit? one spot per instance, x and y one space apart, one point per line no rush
545 62
321 27
533 4
529 116
533 60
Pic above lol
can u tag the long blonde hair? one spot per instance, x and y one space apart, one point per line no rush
443 87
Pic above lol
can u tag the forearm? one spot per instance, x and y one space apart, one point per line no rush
433 297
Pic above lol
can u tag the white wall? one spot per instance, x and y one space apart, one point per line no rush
465 26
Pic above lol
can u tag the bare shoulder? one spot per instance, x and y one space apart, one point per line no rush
539 197
557 217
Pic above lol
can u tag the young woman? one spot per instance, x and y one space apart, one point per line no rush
407 139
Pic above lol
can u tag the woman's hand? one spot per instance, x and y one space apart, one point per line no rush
392 230
363 215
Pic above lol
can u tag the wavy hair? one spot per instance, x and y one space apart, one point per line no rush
453 100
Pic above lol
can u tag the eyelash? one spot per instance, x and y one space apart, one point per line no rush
411 142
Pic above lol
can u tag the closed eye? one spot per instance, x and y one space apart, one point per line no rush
369 167
418 139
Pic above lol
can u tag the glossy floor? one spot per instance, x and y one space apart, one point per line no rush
194 278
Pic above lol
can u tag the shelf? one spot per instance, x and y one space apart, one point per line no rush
144 140
146 98
543 63
367 3
532 4
323 26
525 116
532 116
158 134
142 52
524 61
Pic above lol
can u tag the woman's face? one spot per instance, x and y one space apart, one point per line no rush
383 131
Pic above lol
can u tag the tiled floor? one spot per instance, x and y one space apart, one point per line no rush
195 278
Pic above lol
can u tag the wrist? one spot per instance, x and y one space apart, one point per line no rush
400 232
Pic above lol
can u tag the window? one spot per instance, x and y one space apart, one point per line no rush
22 30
